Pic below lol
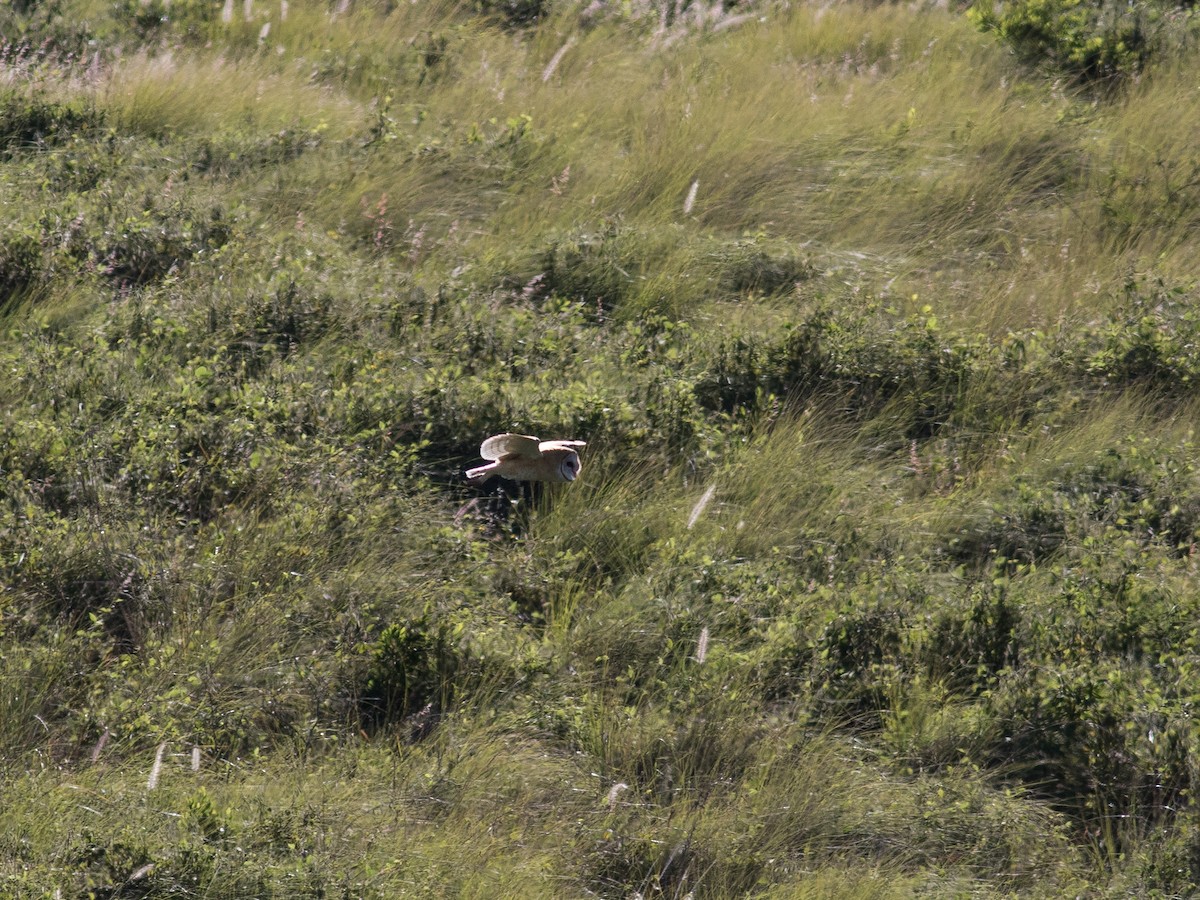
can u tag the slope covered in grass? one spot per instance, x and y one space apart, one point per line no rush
880 578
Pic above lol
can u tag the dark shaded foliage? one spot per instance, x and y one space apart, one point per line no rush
36 125
417 670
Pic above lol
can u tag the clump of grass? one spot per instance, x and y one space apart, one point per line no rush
177 94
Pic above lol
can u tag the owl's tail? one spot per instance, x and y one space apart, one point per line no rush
481 474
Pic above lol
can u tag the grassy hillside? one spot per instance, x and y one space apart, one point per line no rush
880 323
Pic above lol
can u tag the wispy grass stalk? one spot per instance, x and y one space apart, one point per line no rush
156 769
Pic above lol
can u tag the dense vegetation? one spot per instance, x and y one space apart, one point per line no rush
881 325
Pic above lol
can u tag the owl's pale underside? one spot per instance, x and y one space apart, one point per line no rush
524 458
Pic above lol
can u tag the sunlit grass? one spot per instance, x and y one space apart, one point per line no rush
905 143
878 578
181 94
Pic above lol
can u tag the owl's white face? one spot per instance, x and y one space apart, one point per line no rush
569 467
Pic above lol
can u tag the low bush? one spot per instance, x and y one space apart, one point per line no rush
417 673
1094 41
35 125
21 266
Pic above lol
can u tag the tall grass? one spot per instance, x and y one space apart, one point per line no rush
178 95
878 578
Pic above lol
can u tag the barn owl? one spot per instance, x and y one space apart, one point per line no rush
524 458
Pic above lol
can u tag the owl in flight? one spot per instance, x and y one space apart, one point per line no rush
524 458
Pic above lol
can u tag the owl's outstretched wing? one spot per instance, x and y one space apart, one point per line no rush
501 445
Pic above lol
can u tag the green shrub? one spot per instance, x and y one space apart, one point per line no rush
1094 740
228 156
1150 339
968 648
416 674
75 579
600 269
515 13
856 658
1029 527
146 247
35 124
857 363
643 274
1092 39
21 265
150 19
